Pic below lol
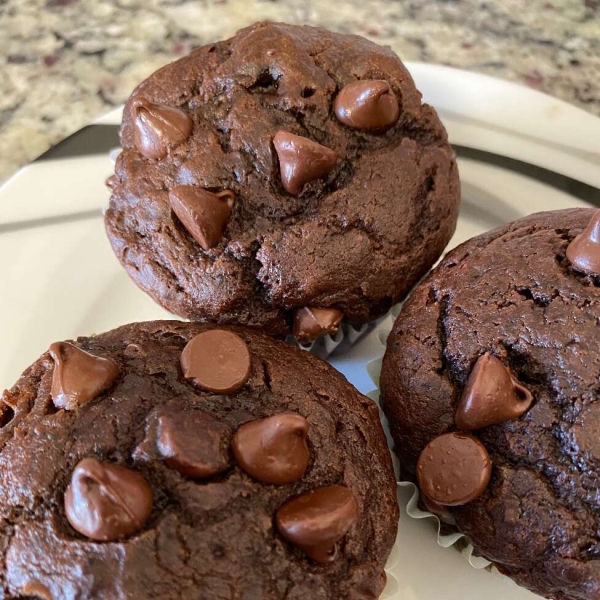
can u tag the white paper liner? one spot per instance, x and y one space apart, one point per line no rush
444 539
392 586
322 347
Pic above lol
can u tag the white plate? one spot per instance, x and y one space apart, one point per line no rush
60 278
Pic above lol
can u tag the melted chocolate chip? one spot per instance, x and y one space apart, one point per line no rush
273 450
301 160
106 502
311 323
491 396
193 443
584 251
158 127
202 213
370 105
315 521
78 376
454 469
217 361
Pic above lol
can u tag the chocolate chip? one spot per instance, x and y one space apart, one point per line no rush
273 450
370 105
454 469
584 251
78 376
315 521
491 396
201 212
217 361
193 443
311 323
106 502
301 160
158 127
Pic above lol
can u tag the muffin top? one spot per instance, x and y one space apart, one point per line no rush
165 460
491 383
284 170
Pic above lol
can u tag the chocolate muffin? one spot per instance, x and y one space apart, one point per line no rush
491 383
170 460
287 178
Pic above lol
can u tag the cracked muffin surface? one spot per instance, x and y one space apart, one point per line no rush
352 230
512 296
196 515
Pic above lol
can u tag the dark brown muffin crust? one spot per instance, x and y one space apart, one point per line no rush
512 292
214 537
356 239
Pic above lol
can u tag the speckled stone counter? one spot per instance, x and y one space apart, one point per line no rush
66 62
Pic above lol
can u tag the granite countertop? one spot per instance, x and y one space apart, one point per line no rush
66 62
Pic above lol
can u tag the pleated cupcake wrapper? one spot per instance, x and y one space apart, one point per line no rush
453 539
326 345
392 587
323 346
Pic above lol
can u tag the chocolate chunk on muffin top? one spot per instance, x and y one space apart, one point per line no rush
172 460
491 383
285 172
